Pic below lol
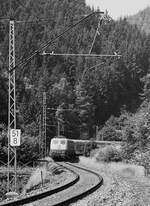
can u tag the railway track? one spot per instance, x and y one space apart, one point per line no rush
89 182
85 182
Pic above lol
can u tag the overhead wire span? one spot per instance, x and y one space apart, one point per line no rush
33 22
61 109
101 19
97 32
51 42
93 42
89 69
83 55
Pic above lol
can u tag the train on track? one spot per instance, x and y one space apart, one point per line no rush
61 147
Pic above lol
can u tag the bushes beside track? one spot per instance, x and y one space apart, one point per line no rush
109 154
27 152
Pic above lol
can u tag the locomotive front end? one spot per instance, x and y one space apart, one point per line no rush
58 148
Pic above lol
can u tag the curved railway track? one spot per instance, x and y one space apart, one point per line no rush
89 182
85 182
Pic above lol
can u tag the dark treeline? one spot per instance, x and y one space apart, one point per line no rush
114 86
142 20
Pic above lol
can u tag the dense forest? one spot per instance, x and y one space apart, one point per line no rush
142 20
113 95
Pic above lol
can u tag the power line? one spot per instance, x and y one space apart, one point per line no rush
61 109
24 21
84 55
51 42
89 69
44 46
34 22
96 33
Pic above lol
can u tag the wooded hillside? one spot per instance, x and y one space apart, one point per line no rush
142 20
105 90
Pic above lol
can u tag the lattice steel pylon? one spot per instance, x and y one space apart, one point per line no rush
44 148
40 134
11 105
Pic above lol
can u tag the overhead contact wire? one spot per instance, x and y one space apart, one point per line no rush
51 42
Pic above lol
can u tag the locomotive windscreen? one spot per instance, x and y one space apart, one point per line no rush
58 144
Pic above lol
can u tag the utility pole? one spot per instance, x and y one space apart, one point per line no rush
96 133
40 133
58 132
11 104
44 126
59 119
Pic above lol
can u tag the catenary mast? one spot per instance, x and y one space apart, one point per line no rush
11 103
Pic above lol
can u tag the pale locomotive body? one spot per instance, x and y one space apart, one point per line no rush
62 148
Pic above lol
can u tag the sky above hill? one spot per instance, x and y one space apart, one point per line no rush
119 8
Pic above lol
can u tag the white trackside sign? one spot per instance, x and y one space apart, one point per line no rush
15 137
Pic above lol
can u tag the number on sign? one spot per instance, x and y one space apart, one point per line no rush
15 137
15 140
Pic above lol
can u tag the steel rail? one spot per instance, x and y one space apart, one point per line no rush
34 197
69 200
84 193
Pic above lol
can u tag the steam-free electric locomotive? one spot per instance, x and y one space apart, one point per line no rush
62 148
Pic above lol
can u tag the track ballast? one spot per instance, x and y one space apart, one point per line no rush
84 182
